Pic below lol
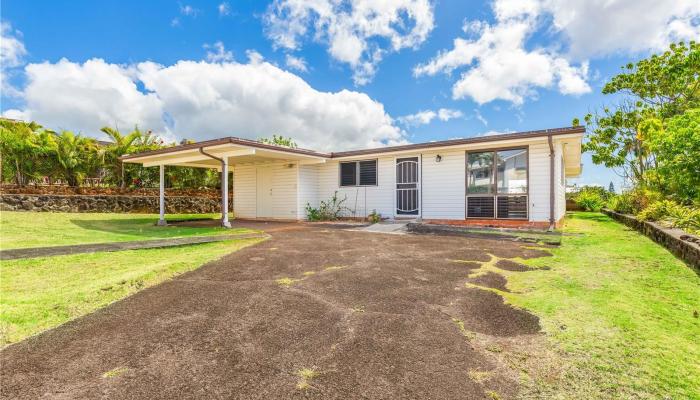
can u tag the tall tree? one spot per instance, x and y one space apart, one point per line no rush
74 154
121 144
611 187
660 86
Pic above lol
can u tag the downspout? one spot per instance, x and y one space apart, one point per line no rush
224 187
552 221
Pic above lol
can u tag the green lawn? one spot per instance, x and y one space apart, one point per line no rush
29 229
621 313
41 293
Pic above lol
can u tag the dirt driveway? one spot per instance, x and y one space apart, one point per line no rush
313 312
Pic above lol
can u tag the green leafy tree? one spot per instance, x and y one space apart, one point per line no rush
280 141
661 86
27 151
676 145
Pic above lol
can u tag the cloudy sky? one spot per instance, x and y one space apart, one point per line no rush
333 74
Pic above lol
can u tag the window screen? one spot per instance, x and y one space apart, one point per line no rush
348 174
358 173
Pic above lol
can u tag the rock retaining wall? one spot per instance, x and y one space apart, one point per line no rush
127 204
667 237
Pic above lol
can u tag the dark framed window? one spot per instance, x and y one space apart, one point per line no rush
497 184
358 173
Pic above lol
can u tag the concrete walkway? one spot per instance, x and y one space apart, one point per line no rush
393 227
14 254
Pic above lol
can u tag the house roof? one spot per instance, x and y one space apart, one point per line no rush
238 142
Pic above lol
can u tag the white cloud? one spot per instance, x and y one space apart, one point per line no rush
601 27
357 33
427 116
498 64
297 63
217 52
224 9
175 22
480 118
204 100
12 53
86 97
189 11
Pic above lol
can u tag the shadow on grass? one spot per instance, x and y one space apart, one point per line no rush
146 227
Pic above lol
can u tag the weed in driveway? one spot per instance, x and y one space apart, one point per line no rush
479 376
115 372
465 332
305 377
334 268
286 282
358 309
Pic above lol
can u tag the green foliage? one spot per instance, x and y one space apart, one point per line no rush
280 141
591 198
677 149
30 153
330 210
633 201
661 86
672 214
27 150
374 217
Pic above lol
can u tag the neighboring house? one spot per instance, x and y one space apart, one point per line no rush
515 179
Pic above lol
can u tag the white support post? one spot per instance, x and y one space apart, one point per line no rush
224 193
161 199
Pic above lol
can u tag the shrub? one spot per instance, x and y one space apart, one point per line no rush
329 210
589 200
374 217
633 201
672 214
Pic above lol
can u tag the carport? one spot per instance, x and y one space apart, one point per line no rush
219 154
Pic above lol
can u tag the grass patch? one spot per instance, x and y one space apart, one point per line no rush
115 372
334 268
41 293
305 377
464 331
479 376
286 282
620 307
31 229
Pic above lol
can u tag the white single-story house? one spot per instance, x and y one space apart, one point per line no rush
514 179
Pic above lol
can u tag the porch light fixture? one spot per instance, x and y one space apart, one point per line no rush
438 158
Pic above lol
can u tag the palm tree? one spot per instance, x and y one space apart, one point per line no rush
122 144
73 153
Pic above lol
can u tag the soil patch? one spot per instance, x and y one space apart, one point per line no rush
509 265
490 280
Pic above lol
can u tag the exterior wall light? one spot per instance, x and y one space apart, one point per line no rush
438 158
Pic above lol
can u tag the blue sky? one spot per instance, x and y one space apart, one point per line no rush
341 75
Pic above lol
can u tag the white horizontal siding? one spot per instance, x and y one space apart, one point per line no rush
307 192
360 200
560 187
244 191
539 181
284 190
443 185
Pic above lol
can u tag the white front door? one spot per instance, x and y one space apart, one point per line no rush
264 192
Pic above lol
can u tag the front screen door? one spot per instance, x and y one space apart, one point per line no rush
407 186
264 192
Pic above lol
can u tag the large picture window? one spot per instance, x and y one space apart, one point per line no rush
358 173
497 183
